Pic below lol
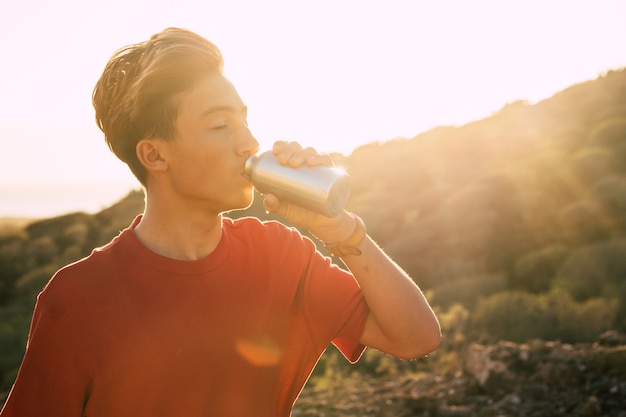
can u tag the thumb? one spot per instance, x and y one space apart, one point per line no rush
294 214
271 203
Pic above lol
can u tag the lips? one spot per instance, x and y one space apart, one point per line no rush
245 170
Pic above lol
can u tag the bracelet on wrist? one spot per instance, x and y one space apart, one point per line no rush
349 246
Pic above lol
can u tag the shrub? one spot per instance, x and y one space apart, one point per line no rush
535 270
453 324
14 322
520 316
609 132
594 270
592 163
41 250
512 315
31 283
12 264
580 223
467 290
609 194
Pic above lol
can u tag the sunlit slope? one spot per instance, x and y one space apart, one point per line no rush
531 198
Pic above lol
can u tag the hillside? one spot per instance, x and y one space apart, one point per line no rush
531 199
514 225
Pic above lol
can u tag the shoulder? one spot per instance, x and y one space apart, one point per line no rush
260 228
76 281
269 236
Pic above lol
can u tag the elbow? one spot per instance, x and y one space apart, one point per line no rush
431 343
423 343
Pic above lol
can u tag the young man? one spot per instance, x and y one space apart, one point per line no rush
188 313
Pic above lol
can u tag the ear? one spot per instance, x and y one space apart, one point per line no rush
149 153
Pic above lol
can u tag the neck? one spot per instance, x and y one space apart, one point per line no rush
179 234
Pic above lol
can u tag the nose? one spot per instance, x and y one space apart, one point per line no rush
247 144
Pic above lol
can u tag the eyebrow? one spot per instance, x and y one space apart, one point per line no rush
231 109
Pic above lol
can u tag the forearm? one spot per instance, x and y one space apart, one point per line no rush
401 321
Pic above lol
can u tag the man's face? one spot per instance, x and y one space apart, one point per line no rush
212 141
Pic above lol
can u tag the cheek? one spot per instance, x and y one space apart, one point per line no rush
214 172
203 160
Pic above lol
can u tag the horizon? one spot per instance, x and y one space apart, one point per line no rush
361 74
46 200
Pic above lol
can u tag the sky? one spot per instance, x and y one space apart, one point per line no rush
330 74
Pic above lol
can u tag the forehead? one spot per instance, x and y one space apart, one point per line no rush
209 92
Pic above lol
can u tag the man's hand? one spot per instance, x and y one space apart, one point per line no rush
329 230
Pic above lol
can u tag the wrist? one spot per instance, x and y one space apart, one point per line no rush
350 244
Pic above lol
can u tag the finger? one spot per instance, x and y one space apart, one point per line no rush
301 156
292 154
271 203
284 150
295 214
278 145
320 160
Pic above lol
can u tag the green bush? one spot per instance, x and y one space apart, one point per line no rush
453 322
581 224
30 284
520 316
596 270
592 163
535 270
467 290
12 264
609 195
14 323
510 315
609 132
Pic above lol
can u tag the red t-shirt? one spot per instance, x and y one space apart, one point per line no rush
127 332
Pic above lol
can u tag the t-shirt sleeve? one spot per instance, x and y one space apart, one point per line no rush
334 305
349 344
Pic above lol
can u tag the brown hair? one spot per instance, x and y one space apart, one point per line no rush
135 96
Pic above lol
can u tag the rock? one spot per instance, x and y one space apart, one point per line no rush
611 338
534 379
489 366
615 359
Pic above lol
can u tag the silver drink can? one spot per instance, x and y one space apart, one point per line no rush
324 190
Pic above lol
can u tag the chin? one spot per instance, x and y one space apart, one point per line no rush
244 202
